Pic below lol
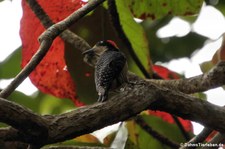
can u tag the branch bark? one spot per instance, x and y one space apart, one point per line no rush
67 35
22 119
127 103
46 40
214 78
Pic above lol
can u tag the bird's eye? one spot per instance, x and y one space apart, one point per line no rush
100 43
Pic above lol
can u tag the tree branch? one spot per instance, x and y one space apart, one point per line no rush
9 134
218 139
212 79
199 138
59 27
46 40
45 45
23 120
67 35
134 99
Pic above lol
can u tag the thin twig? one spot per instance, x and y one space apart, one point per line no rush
46 40
40 13
161 138
198 138
218 139
181 128
67 35
35 60
59 27
116 23
201 136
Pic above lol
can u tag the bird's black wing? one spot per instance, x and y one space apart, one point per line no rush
109 67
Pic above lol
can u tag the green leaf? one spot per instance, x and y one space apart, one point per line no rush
131 145
42 103
53 105
139 138
30 102
84 140
135 33
10 67
155 9
206 66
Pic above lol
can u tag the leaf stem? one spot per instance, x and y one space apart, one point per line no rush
140 121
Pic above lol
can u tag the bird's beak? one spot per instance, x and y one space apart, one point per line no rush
90 51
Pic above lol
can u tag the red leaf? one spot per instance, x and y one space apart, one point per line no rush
51 75
168 118
165 73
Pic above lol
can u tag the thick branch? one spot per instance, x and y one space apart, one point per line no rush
22 119
212 79
8 134
124 105
135 100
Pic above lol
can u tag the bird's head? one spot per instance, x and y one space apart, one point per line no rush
100 47
91 56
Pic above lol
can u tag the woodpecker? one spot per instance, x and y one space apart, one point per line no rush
110 69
